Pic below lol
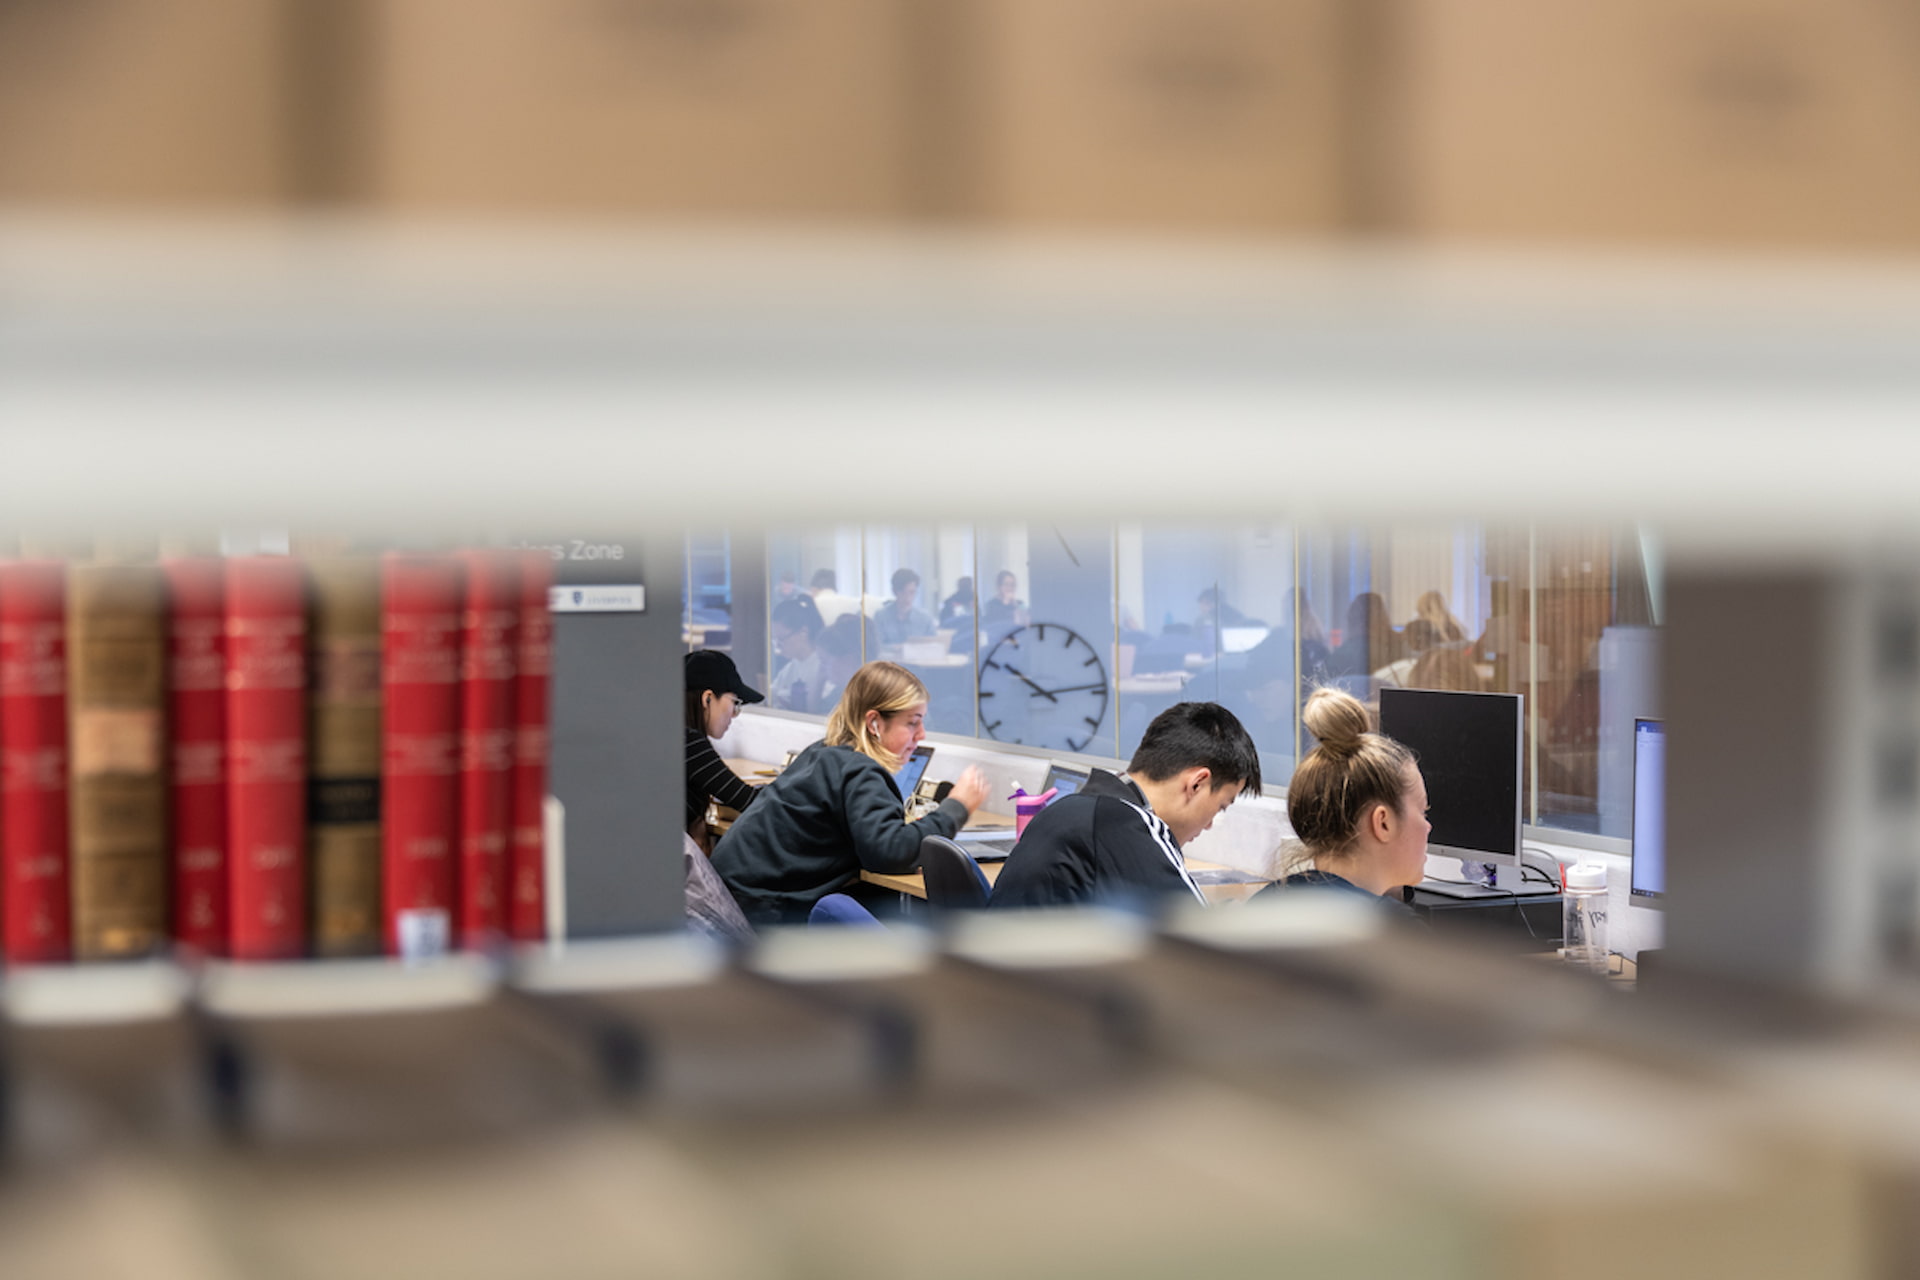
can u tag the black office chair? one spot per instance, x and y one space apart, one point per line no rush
954 880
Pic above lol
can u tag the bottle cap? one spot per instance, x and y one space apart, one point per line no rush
1587 875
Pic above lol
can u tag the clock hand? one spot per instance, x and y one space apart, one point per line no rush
1081 688
1030 684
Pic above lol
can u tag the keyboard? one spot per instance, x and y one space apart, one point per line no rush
985 846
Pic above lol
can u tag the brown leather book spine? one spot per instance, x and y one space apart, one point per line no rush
343 790
116 691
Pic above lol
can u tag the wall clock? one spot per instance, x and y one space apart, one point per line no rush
1043 685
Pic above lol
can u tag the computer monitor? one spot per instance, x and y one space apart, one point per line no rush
1649 876
1063 781
912 771
1469 748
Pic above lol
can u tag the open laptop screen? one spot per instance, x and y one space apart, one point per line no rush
1063 781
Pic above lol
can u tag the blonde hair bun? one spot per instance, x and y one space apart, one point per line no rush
1337 719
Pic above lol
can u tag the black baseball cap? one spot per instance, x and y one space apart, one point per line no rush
711 669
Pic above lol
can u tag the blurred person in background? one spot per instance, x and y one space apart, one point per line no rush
957 608
714 695
1357 804
1370 642
798 683
1004 610
1447 669
898 621
1120 836
1432 609
839 648
836 811
824 590
1213 614
1316 654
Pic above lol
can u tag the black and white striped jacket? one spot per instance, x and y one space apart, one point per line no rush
1101 844
709 778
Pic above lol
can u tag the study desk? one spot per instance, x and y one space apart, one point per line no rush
915 886
756 773
759 773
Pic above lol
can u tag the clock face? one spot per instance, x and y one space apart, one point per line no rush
1043 686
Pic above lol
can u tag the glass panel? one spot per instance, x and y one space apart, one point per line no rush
1206 615
1256 651
707 594
1427 607
1598 671
1046 658
918 604
813 626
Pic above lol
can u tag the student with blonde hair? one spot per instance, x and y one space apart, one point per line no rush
1357 804
1431 608
836 811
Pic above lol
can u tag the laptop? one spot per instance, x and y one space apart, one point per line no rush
1063 781
908 779
992 845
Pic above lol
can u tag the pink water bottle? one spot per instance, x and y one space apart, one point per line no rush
1025 806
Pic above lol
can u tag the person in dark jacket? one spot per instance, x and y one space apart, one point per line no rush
715 694
1357 804
835 811
1120 836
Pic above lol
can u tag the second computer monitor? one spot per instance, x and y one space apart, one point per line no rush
1648 881
1469 748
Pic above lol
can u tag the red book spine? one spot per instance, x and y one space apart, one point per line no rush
34 855
197 714
420 607
266 757
527 907
489 636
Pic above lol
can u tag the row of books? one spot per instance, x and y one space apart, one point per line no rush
265 757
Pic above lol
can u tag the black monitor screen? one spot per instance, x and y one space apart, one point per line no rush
1468 745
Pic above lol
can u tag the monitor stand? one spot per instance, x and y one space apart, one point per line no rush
1508 882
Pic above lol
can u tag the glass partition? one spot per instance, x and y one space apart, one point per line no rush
1598 663
1072 639
1046 638
918 607
813 626
707 592
1205 614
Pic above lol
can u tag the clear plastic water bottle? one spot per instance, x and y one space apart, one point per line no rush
1583 918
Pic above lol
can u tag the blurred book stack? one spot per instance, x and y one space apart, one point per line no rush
1293 1091
1783 124
194 755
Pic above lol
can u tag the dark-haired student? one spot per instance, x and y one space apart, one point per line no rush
715 694
1120 836
796 631
1358 806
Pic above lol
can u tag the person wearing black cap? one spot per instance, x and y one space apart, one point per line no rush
715 694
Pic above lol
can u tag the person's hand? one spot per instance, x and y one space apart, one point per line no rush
970 789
